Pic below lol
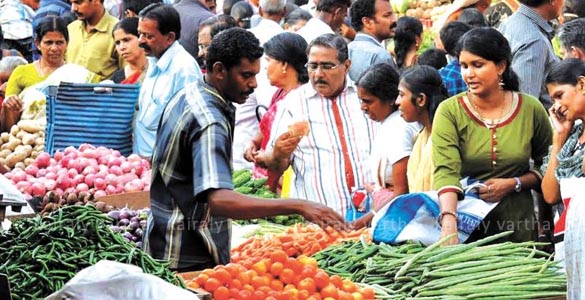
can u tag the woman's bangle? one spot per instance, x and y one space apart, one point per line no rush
443 213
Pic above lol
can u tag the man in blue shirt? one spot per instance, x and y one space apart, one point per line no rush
192 193
375 22
170 68
451 73
529 33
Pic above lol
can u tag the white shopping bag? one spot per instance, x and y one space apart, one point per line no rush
415 217
109 280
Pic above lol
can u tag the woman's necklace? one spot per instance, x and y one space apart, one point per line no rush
494 122
491 126
44 72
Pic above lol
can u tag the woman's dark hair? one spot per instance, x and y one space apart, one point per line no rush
242 12
296 15
433 57
51 24
380 80
566 71
136 6
407 30
227 6
218 23
491 45
289 7
128 25
425 80
290 48
166 16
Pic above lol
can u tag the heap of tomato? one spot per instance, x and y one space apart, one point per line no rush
278 278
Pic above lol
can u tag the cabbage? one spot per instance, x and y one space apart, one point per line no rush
400 6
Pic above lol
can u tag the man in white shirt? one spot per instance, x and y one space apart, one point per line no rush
272 12
328 18
333 157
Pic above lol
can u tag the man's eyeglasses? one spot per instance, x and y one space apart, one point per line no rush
202 47
312 67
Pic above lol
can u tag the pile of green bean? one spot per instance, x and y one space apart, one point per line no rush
41 254
470 271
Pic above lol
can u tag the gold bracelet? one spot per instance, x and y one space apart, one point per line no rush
443 213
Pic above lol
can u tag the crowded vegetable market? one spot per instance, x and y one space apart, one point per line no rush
292 149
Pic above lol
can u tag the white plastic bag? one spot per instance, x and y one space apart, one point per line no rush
108 280
574 245
415 217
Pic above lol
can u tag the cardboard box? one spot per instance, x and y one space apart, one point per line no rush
134 200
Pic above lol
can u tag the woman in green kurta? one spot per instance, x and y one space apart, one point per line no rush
490 133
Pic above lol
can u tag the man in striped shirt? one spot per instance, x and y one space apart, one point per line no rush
529 35
332 159
192 193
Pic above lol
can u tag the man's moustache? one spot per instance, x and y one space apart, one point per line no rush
144 46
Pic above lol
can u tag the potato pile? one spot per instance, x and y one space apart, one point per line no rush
427 9
22 144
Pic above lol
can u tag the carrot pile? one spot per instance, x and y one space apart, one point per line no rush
297 240
278 277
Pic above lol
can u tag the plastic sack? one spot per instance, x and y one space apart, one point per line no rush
109 280
415 217
575 240
569 187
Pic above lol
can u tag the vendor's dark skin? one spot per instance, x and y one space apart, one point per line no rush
235 85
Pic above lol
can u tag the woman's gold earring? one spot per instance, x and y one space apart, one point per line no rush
501 82
283 70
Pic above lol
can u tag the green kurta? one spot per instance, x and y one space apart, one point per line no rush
464 146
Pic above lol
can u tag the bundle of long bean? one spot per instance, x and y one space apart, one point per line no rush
471 271
40 254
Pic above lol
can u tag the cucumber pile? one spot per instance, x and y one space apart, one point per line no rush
245 183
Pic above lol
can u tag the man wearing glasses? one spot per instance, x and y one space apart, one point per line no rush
331 160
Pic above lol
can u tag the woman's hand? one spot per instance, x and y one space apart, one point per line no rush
496 189
251 152
260 159
12 103
561 125
449 227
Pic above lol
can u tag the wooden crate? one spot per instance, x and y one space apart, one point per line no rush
134 200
